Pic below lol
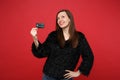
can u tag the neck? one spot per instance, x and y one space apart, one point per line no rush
66 30
66 33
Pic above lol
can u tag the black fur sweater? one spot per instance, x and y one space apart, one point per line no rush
61 59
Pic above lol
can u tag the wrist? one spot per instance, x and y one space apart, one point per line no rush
79 72
35 38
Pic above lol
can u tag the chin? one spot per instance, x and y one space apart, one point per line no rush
63 26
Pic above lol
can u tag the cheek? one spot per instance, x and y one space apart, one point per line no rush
58 22
67 21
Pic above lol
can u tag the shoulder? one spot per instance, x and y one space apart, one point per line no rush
80 34
52 34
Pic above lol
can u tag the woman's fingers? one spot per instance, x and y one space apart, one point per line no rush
68 75
71 74
68 71
34 31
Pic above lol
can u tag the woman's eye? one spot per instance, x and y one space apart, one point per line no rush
63 16
60 17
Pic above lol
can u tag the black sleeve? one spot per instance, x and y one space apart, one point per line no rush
44 49
87 57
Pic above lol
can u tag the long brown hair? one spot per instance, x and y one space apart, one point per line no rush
73 39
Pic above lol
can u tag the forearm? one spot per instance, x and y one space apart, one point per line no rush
35 39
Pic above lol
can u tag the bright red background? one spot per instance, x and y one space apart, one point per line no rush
99 20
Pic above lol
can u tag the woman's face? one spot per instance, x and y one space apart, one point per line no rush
63 20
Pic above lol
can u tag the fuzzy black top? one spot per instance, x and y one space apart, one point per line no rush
61 59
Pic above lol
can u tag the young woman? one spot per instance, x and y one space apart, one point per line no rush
63 48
